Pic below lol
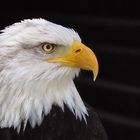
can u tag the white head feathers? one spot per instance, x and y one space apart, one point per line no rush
29 86
39 30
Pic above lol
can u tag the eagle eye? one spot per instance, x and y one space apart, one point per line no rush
48 48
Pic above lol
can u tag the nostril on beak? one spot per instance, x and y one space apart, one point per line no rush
78 50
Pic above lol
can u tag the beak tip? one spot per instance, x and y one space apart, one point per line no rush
95 73
94 78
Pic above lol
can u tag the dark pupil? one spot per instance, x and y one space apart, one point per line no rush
48 47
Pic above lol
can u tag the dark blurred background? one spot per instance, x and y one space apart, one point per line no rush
112 30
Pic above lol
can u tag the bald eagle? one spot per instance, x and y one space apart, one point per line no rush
38 98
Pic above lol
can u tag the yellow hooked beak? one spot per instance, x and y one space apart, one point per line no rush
79 56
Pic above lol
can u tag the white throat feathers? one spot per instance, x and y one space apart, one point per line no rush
29 98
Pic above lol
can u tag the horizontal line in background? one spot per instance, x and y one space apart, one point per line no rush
116 49
127 89
118 87
82 19
119 119
86 19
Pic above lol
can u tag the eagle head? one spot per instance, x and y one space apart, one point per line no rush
38 62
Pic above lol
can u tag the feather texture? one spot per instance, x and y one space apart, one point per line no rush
30 86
